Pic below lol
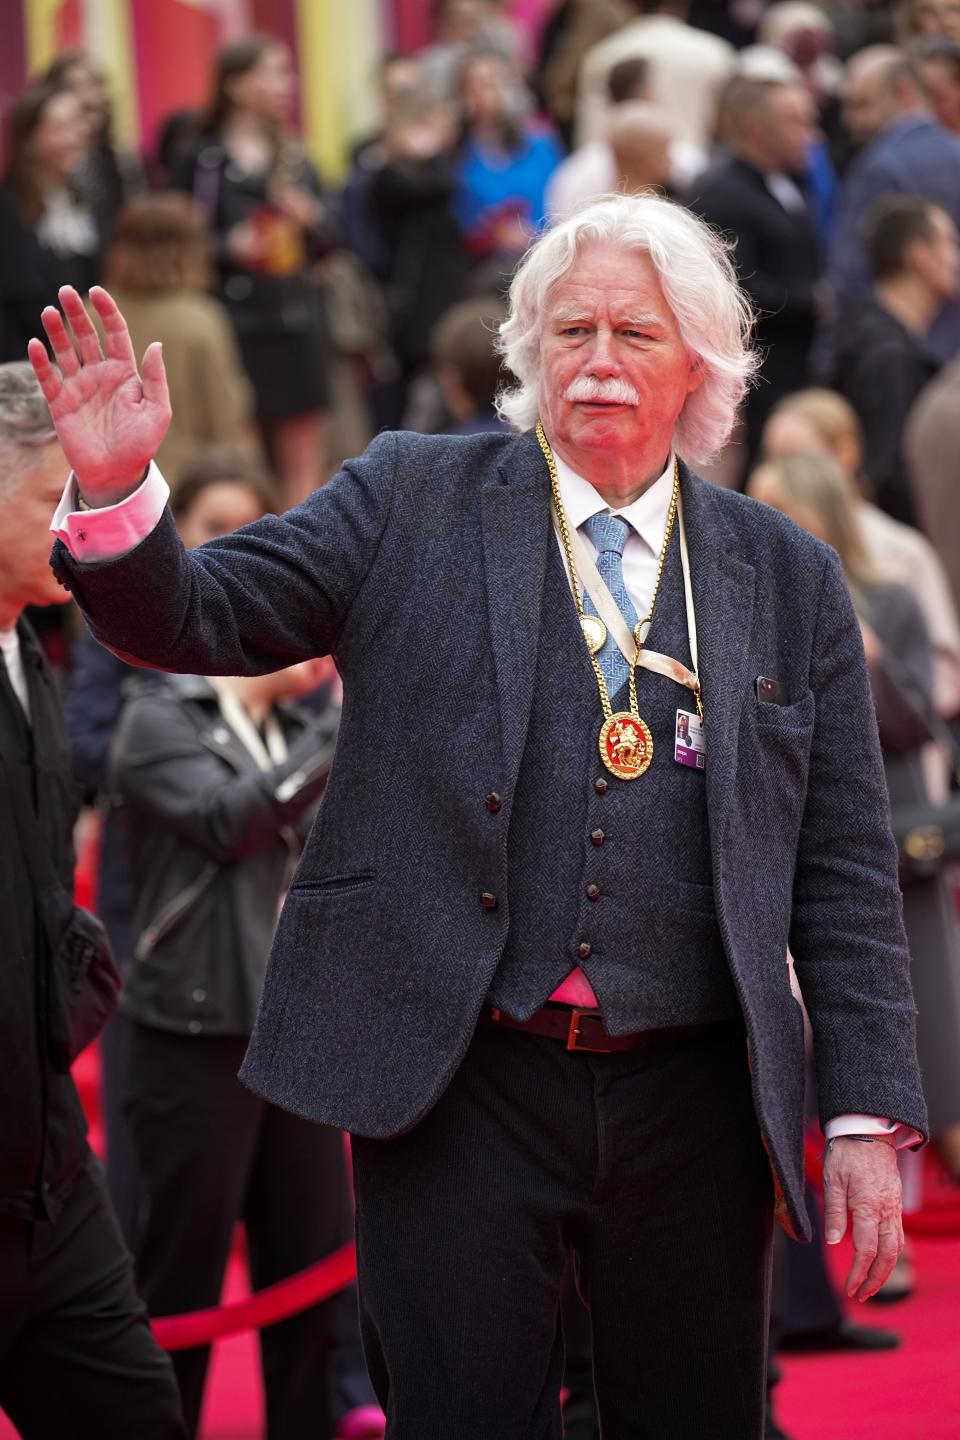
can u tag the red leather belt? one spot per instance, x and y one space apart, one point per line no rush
583 1029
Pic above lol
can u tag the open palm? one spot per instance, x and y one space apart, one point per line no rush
110 419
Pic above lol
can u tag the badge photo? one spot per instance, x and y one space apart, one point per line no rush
690 744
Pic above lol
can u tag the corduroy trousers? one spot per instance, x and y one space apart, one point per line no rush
647 1166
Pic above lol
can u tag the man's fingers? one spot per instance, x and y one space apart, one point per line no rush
865 1247
84 330
66 355
889 1243
116 337
47 374
154 376
834 1209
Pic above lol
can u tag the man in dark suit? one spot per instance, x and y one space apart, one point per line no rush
545 987
905 152
884 359
76 1354
757 198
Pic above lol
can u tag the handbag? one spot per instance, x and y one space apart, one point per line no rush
82 983
927 835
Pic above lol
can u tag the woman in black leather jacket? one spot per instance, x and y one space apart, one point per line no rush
218 781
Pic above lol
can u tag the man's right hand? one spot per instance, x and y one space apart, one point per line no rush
109 420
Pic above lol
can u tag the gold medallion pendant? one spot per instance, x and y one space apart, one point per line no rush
626 745
594 632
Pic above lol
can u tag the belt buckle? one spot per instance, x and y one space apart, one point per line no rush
573 1032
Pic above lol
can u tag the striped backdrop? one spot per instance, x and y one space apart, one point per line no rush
157 55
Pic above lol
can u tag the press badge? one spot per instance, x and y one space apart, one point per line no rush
690 744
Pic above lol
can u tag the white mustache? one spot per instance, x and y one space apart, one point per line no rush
617 392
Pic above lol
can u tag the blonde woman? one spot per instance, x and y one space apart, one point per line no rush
821 422
812 490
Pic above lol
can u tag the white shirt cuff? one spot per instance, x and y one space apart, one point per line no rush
903 1135
111 531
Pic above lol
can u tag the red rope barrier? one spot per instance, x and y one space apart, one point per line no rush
266 1307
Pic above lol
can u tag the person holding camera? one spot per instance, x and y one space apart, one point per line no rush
68 1307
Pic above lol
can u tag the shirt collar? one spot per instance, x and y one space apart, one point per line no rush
647 515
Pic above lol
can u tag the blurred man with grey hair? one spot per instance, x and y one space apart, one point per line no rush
76 1354
905 152
528 958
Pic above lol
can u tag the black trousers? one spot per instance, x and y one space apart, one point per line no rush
77 1359
211 1153
648 1166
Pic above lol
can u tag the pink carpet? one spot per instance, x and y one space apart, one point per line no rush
910 1394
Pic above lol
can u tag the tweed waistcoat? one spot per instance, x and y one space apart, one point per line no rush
620 866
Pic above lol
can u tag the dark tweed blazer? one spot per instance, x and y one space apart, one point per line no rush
420 567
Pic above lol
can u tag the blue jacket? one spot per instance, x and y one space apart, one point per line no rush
913 156
420 567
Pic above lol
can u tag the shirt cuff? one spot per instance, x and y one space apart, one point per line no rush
903 1135
110 531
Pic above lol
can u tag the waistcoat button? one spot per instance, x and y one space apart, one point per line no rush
488 900
584 950
601 786
597 836
493 802
593 892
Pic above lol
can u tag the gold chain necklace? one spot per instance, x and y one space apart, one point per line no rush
626 744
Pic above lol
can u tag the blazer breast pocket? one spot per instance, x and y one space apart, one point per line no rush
798 717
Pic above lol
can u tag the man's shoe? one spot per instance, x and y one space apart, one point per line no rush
845 1337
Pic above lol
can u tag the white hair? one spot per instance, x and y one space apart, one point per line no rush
25 423
699 285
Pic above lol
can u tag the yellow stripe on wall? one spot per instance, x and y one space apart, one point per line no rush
110 38
40 28
339 47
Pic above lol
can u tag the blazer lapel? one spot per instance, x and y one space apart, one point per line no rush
516 526
723 594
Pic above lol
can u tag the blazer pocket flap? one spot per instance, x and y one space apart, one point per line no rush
333 884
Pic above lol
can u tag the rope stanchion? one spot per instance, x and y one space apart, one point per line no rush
266 1307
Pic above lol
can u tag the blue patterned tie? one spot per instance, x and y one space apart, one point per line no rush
609 535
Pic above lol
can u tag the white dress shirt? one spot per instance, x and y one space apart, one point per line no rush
13 660
646 516
114 530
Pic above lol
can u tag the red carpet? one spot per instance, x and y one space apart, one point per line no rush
909 1394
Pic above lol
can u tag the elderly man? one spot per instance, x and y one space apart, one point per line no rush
68 1311
528 958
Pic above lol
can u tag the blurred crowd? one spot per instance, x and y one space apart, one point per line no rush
299 318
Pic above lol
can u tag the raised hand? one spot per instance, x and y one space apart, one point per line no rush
110 418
